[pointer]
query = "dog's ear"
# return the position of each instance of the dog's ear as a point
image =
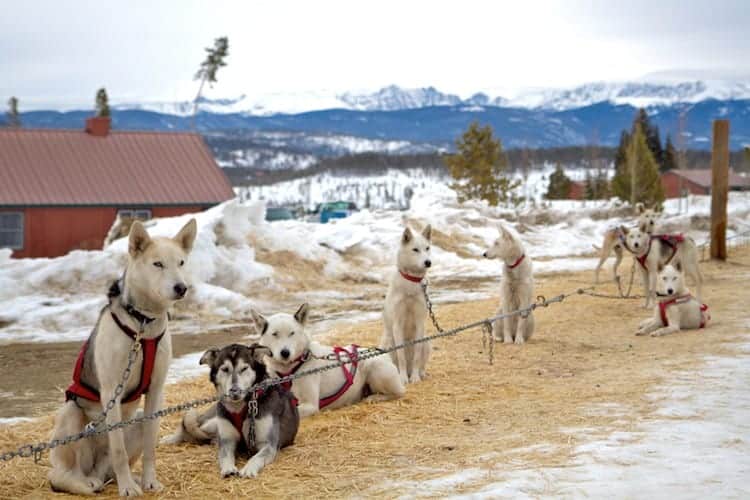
(301, 314)
(209, 356)
(659, 267)
(427, 232)
(643, 228)
(624, 229)
(504, 233)
(406, 237)
(186, 237)
(639, 208)
(138, 239)
(677, 265)
(261, 323)
(259, 352)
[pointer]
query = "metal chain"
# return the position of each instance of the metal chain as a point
(252, 412)
(488, 341)
(35, 450)
(630, 285)
(135, 348)
(428, 302)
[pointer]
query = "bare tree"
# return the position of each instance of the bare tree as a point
(209, 67)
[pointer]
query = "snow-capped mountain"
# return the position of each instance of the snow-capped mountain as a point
(394, 98)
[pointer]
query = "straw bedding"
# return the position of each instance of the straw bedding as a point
(466, 414)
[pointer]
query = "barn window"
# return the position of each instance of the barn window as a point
(11, 230)
(140, 214)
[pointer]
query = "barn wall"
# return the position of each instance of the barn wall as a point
(671, 184)
(55, 231)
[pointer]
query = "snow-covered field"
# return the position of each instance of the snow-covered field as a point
(51, 300)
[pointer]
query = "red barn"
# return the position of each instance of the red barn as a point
(577, 190)
(61, 190)
(697, 181)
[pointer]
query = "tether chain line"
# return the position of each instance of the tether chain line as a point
(35, 450)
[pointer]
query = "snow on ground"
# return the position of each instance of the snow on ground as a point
(695, 446)
(51, 300)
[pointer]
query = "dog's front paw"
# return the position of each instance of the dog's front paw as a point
(657, 333)
(415, 378)
(95, 483)
(129, 488)
(640, 332)
(252, 468)
(229, 472)
(404, 378)
(152, 485)
(519, 340)
(508, 339)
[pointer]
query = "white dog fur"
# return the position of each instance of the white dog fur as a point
(405, 308)
(517, 288)
(286, 337)
(684, 314)
(154, 272)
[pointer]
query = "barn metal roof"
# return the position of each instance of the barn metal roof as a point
(71, 167)
(702, 177)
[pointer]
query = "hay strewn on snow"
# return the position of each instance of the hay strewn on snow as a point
(466, 414)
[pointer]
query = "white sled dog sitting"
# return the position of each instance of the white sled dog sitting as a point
(653, 251)
(235, 369)
(677, 309)
(517, 290)
(405, 307)
(291, 350)
(614, 239)
(154, 279)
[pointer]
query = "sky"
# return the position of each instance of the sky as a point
(59, 52)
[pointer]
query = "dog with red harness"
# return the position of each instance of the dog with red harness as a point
(676, 309)
(291, 350)
(132, 326)
(654, 251)
(246, 419)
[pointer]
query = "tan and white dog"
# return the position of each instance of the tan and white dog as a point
(153, 281)
(613, 239)
(405, 308)
(677, 309)
(653, 251)
(517, 289)
(292, 350)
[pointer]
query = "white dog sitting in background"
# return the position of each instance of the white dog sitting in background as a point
(517, 290)
(291, 350)
(677, 310)
(405, 308)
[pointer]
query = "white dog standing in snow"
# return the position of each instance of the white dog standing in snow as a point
(517, 290)
(405, 308)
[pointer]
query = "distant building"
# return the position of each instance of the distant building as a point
(577, 190)
(61, 190)
(697, 181)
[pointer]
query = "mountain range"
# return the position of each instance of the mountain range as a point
(592, 113)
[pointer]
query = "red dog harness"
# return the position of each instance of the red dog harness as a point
(79, 389)
(409, 277)
(348, 375)
(517, 262)
(237, 418)
(671, 240)
(681, 300)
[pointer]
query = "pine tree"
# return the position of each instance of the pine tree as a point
(209, 67)
(597, 185)
(559, 185)
(637, 178)
(652, 135)
(102, 103)
(12, 115)
(670, 156)
(479, 166)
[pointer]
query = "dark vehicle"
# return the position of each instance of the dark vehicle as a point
(336, 210)
(278, 213)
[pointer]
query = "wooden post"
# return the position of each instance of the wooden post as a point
(719, 189)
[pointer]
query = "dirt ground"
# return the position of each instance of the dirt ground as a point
(467, 414)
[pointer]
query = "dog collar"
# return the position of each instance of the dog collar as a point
(409, 277)
(517, 262)
(137, 315)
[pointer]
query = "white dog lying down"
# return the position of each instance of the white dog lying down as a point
(517, 289)
(677, 310)
(292, 350)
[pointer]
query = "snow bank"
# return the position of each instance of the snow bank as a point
(239, 258)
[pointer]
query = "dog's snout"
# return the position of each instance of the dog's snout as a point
(235, 392)
(427, 263)
(180, 290)
(636, 245)
(285, 353)
(670, 291)
(484, 255)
